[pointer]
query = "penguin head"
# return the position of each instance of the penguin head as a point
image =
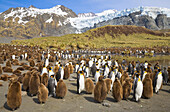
(50, 68)
(101, 78)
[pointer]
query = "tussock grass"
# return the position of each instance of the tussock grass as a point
(106, 38)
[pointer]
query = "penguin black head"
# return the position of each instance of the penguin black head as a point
(44, 65)
(50, 68)
(137, 75)
(97, 69)
(144, 69)
(159, 70)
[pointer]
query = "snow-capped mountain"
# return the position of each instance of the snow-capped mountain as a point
(34, 22)
(82, 15)
(87, 22)
(59, 20)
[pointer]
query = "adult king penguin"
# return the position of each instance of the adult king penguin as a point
(138, 88)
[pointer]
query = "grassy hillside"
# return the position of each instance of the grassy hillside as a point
(103, 37)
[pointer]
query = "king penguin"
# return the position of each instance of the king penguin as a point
(158, 81)
(80, 82)
(138, 88)
(97, 75)
(44, 70)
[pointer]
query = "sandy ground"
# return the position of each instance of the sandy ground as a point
(85, 102)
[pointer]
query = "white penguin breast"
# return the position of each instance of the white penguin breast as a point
(139, 88)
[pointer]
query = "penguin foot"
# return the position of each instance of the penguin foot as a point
(157, 93)
(50, 95)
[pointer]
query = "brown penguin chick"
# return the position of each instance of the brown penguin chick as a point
(1, 61)
(66, 72)
(7, 69)
(34, 83)
(124, 77)
(117, 90)
(127, 87)
(56, 68)
(21, 68)
(17, 72)
(4, 77)
(8, 63)
(32, 68)
(20, 78)
(14, 95)
(13, 77)
(42, 93)
(22, 64)
(100, 90)
(26, 67)
(40, 67)
(61, 89)
(0, 70)
(32, 63)
(44, 79)
(147, 87)
(89, 86)
(51, 59)
(26, 80)
(71, 68)
(108, 84)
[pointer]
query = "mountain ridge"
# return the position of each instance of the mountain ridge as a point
(59, 20)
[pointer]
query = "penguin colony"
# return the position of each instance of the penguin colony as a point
(46, 70)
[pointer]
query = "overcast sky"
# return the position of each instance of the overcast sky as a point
(84, 6)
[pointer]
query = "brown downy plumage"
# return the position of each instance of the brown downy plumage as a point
(7, 69)
(40, 67)
(0, 70)
(15, 62)
(26, 80)
(32, 68)
(117, 90)
(66, 72)
(4, 77)
(61, 89)
(89, 86)
(127, 87)
(8, 63)
(17, 72)
(42, 93)
(71, 68)
(26, 67)
(20, 68)
(124, 77)
(108, 84)
(14, 98)
(56, 68)
(44, 79)
(20, 78)
(51, 59)
(100, 90)
(1, 61)
(32, 63)
(147, 87)
(13, 77)
(34, 83)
